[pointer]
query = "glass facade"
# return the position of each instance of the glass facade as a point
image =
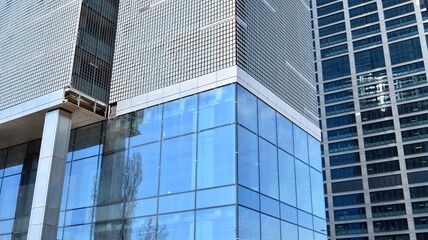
(373, 112)
(221, 164)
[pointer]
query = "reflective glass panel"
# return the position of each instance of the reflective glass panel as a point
(82, 189)
(3, 154)
(143, 170)
(289, 231)
(317, 190)
(9, 196)
(247, 109)
(177, 202)
(77, 232)
(305, 233)
(216, 197)
(217, 107)
(285, 134)
(146, 126)
(315, 153)
(268, 169)
(269, 206)
(87, 141)
(116, 133)
(271, 228)
(177, 226)
(267, 122)
(141, 208)
(288, 213)
(179, 117)
(108, 230)
(248, 198)
(79, 216)
(300, 144)
(303, 186)
(248, 162)
(144, 228)
(216, 223)
(287, 178)
(15, 159)
(114, 183)
(177, 172)
(249, 224)
(305, 219)
(216, 157)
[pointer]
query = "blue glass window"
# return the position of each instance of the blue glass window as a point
(80, 216)
(285, 134)
(217, 107)
(249, 224)
(340, 121)
(362, 10)
(331, 19)
(364, 20)
(144, 228)
(112, 177)
(402, 33)
(389, 3)
(146, 126)
(248, 198)
(77, 232)
(287, 179)
(216, 157)
(300, 144)
(248, 161)
(339, 84)
(267, 122)
(176, 226)
(177, 202)
(179, 117)
(344, 159)
(289, 230)
(268, 169)
(398, 22)
(9, 196)
(178, 164)
(288, 213)
(143, 168)
(331, 29)
(369, 59)
(269, 206)
(399, 11)
(216, 197)
(404, 51)
(271, 228)
(305, 219)
(317, 193)
(367, 42)
(303, 186)
(324, 42)
(336, 67)
(365, 31)
(15, 159)
(81, 190)
(141, 208)
(216, 223)
(329, 9)
(328, 52)
(247, 109)
(408, 68)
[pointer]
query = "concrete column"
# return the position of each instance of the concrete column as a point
(50, 176)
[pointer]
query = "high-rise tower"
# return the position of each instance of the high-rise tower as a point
(208, 131)
(371, 59)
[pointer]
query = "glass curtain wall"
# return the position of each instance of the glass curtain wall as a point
(217, 165)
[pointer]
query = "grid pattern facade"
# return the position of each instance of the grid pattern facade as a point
(37, 46)
(277, 54)
(371, 58)
(160, 43)
(47, 45)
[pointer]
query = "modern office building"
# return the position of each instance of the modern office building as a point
(372, 60)
(201, 125)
